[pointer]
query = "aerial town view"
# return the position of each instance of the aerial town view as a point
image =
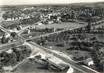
(52, 38)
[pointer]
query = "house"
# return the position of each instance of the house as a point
(88, 62)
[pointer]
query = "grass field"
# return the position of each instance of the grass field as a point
(33, 67)
(67, 25)
(61, 26)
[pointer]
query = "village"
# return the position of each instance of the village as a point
(52, 38)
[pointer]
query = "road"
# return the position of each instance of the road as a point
(7, 46)
(47, 34)
(37, 48)
(100, 22)
(40, 48)
(73, 64)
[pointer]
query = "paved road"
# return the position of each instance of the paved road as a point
(7, 46)
(100, 22)
(4, 30)
(47, 34)
(73, 64)
(78, 67)
(36, 47)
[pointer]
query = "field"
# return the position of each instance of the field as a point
(30, 67)
(71, 45)
(65, 25)
(33, 67)
(52, 27)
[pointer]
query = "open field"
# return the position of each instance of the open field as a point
(65, 25)
(56, 27)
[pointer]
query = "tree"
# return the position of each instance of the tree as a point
(72, 15)
(5, 16)
(98, 59)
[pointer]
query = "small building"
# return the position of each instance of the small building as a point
(88, 62)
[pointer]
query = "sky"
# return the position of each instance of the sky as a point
(20, 2)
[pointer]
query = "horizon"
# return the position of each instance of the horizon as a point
(43, 2)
